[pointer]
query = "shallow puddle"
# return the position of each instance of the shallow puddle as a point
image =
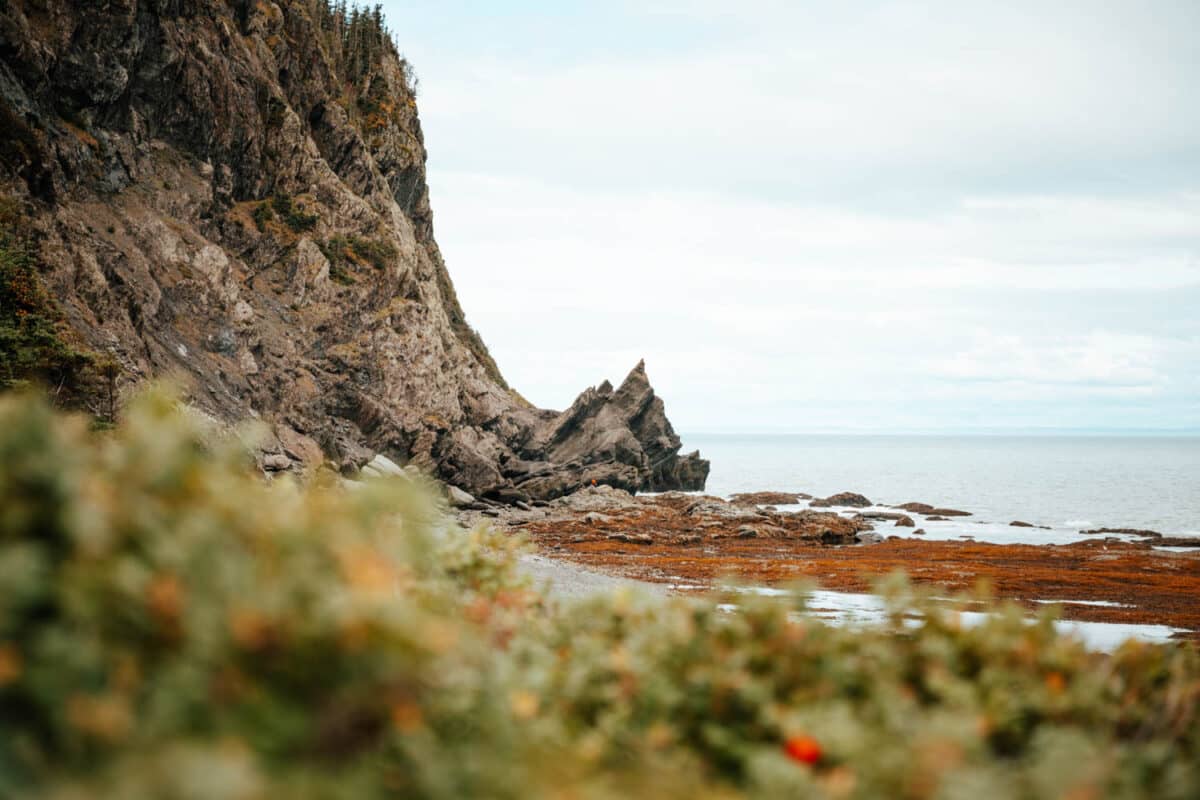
(849, 608)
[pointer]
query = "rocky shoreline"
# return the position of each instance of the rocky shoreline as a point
(694, 540)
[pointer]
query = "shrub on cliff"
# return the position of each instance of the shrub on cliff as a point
(293, 215)
(34, 345)
(172, 626)
(352, 251)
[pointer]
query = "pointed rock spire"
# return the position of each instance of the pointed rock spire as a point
(621, 438)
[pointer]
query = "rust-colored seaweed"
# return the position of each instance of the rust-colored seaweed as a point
(1151, 586)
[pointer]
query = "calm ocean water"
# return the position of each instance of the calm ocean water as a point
(1063, 481)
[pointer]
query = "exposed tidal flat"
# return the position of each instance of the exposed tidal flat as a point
(1109, 584)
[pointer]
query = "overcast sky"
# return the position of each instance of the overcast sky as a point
(825, 217)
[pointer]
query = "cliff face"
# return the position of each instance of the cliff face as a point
(225, 192)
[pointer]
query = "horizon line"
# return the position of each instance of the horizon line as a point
(1014, 431)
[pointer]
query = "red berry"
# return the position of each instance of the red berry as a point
(804, 749)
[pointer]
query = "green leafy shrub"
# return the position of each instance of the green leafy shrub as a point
(33, 341)
(263, 215)
(292, 214)
(173, 626)
(165, 616)
(348, 252)
(376, 252)
(338, 274)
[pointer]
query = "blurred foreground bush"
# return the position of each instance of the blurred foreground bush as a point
(173, 627)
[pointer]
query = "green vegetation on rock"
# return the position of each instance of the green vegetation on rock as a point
(292, 214)
(263, 215)
(173, 626)
(34, 346)
(357, 38)
(349, 252)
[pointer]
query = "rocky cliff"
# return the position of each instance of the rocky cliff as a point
(233, 193)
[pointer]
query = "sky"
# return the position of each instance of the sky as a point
(841, 217)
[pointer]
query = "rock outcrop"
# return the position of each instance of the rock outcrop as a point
(671, 519)
(619, 438)
(226, 193)
(928, 510)
(768, 498)
(846, 499)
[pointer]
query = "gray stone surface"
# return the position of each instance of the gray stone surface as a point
(458, 498)
(566, 581)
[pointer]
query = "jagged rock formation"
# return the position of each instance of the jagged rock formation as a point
(215, 194)
(620, 438)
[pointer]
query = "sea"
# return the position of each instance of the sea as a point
(1067, 483)
(1062, 485)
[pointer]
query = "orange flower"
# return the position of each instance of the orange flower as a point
(407, 716)
(251, 630)
(10, 664)
(367, 571)
(804, 749)
(103, 716)
(164, 596)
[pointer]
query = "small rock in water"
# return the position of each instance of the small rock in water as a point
(919, 532)
(765, 498)
(1126, 532)
(1019, 524)
(949, 512)
(927, 510)
(905, 522)
(851, 499)
(869, 538)
(1173, 541)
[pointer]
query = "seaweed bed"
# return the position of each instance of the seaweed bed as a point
(1148, 586)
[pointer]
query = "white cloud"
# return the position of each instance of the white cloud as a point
(892, 97)
(1099, 358)
(867, 215)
